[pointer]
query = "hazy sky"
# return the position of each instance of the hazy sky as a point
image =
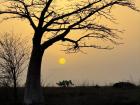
(97, 66)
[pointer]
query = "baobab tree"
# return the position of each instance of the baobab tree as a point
(49, 18)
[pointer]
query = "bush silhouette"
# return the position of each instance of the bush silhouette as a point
(65, 83)
(124, 85)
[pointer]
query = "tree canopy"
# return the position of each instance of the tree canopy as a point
(47, 16)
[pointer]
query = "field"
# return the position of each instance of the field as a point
(88, 95)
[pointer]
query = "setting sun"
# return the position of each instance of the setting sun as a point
(62, 61)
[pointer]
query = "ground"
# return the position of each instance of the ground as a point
(88, 95)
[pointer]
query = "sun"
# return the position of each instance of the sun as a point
(62, 61)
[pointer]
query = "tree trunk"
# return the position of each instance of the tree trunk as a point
(15, 86)
(33, 92)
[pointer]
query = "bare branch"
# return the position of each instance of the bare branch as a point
(42, 16)
(79, 16)
(71, 13)
(94, 27)
(21, 12)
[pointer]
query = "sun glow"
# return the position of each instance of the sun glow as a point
(62, 61)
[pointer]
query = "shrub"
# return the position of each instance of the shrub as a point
(65, 83)
(124, 85)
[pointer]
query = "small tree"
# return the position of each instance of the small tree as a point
(13, 57)
(65, 83)
(57, 22)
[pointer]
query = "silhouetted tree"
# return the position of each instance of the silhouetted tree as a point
(56, 22)
(13, 61)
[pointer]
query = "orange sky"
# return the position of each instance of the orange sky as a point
(97, 66)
